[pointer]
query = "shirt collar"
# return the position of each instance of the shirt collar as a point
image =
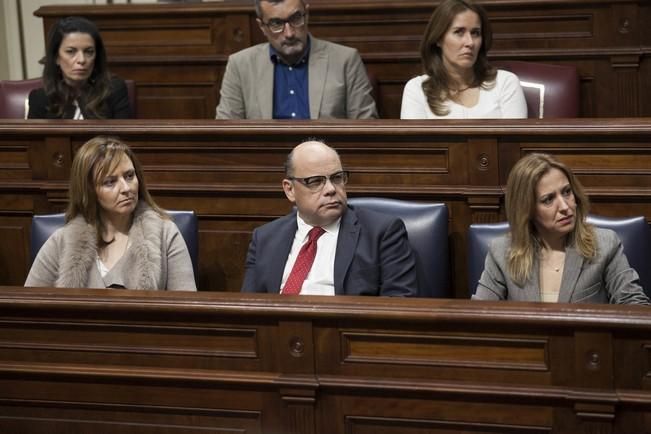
(276, 59)
(304, 228)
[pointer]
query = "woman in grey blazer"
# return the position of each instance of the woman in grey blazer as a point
(551, 254)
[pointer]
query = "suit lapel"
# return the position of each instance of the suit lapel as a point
(317, 72)
(280, 252)
(346, 246)
(532, 286)
(571, 271)
(264, 82)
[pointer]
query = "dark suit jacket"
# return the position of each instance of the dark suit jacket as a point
(116, 106)
(607, 278)
(373, 255)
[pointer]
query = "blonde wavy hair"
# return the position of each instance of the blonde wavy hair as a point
(520, 204)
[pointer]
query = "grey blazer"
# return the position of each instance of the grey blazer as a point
(337, 81)
(605, 279)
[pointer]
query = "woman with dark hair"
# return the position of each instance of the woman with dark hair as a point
(459, 83)
(115, 235)
(551, 254)
(76, 80)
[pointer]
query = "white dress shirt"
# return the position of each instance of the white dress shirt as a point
(78, 116)
(320, 279)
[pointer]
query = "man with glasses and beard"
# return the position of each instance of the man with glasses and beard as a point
(294, 75)
(326, 247)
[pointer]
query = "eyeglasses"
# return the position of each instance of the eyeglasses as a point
(276, 25)
(316, 183)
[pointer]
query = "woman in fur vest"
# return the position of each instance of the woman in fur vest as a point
(115, 235)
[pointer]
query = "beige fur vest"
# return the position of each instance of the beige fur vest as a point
(142, 264)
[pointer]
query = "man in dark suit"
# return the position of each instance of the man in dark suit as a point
(356, 251)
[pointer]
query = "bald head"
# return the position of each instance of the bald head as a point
(317, 205)
(309, 152)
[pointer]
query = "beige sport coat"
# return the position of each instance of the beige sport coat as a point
(337, 81)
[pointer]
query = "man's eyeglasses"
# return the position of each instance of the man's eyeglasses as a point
(276, 25)
(316, 183)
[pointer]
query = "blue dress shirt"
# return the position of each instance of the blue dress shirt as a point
(291, 92)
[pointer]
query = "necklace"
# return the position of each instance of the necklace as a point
(559, 267)
(553, 260)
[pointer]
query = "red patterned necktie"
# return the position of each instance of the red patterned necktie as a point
(303, 263)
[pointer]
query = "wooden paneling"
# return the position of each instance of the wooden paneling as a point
(14, 232)
(137, 362)
(230, 173)
(177, 53)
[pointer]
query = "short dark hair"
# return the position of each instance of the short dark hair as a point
(258, 9)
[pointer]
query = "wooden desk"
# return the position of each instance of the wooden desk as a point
(230, 173)
(109, 361)
(177, 53)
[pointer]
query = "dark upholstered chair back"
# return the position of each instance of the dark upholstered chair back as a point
(634, 233)
(13, 94)
(427, 229)
(479, 240)
(188, 225)
(44, 225)
(551, 91)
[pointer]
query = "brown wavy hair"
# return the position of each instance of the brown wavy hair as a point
(60, 95)
(93, 162)
(520, 204)
(437, 86)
